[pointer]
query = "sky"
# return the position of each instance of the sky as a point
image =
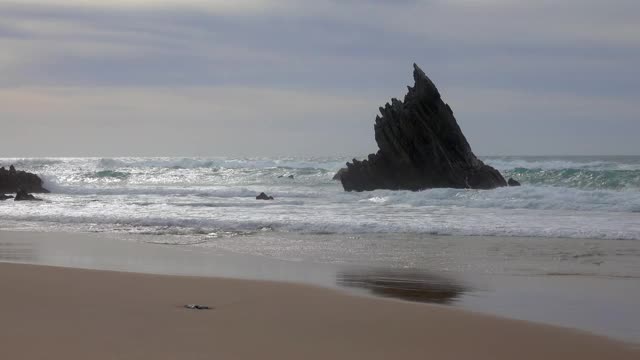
(306, 78)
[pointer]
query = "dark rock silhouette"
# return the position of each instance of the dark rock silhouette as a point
(421, 146)
(338, 175)
(197, 307)
(264, 196)
(5, 197)
(11, 181)
(22, 195)
(512, 182)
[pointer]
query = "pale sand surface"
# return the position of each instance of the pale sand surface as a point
(62, 313)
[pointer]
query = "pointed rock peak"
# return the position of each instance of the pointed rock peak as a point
(423, 84)
(417, 72)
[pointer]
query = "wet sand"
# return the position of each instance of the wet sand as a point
(599, 305)
(63, 313)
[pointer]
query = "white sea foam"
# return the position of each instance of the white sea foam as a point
(564, 197)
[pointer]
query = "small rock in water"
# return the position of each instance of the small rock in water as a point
(290, 176)
(264, 196)
(512, 182)
(5, 197)
(22, 195)
(197, 307)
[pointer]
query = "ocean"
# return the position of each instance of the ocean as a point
(574, 197)
(210, 202)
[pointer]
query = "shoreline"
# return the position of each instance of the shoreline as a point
(66, 313)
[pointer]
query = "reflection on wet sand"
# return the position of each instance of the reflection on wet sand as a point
(406, 285)
(16, 251)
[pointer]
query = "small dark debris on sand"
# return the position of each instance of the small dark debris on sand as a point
(197, 307)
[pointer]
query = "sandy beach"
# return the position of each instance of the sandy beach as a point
(62, 313)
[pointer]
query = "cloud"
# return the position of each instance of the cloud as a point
(212, 5)
(503, 61)
(325, 45)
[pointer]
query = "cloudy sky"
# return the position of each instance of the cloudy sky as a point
(287, 77)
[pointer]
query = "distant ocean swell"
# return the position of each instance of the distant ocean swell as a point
(584, 174)
(579, 178)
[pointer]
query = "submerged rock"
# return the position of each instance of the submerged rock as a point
(512, 182)
(264, 196)
(421, 146)
(11, 181)
(22, 195)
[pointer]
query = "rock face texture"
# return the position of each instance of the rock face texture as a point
(11, 181)
(421, 146)
(338, 174)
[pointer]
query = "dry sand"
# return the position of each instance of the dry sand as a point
(60, 313)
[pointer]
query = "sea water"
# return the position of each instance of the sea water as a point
(211, 202)
(574, 197)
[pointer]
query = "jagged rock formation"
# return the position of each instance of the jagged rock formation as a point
(11, 181)
(421, 147)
